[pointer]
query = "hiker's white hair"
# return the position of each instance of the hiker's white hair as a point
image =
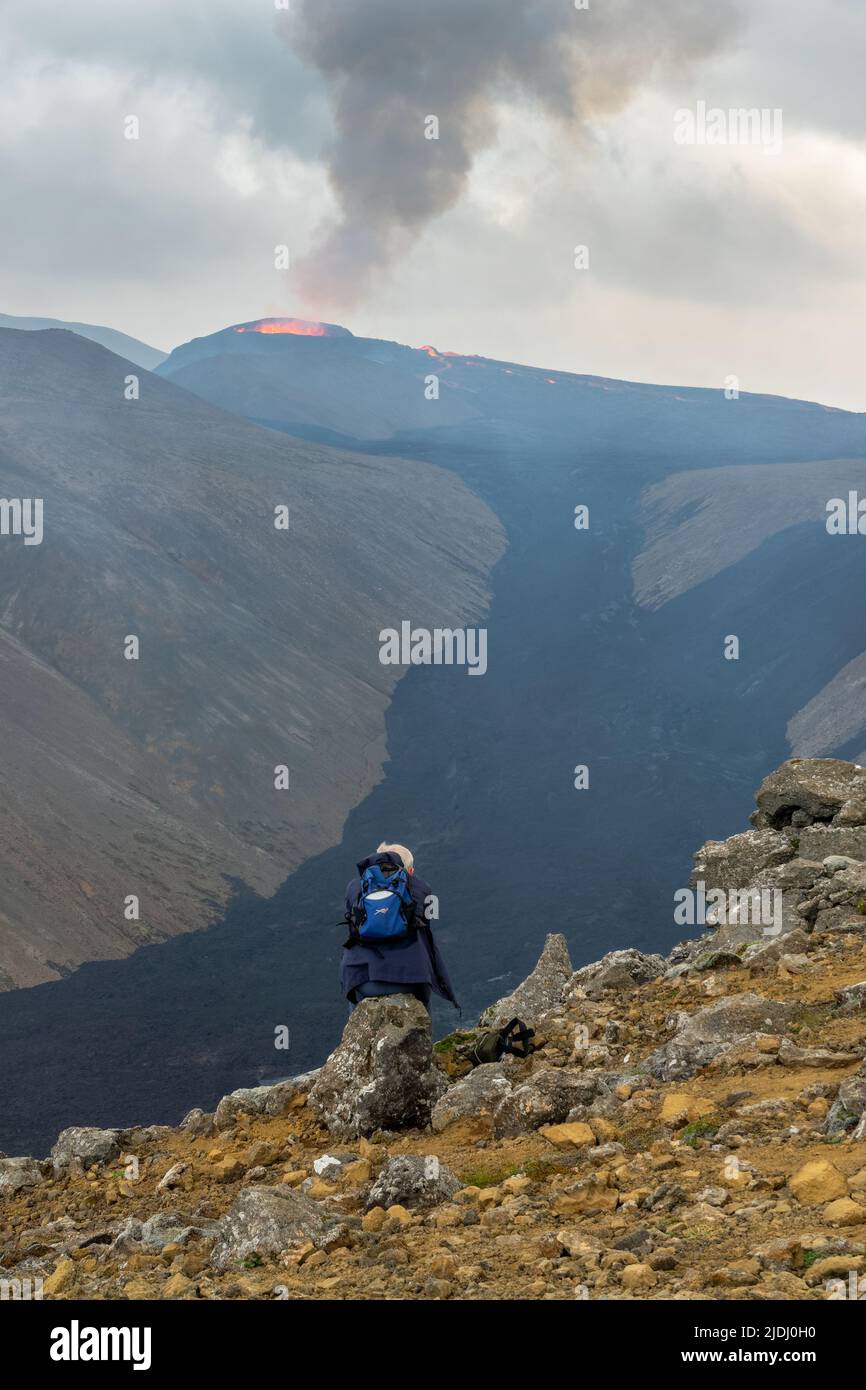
(405, 854)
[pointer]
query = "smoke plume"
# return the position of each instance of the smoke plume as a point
(389, 64)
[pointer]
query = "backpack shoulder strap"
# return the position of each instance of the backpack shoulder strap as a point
(516, 1038)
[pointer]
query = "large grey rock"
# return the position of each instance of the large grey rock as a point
(265, 1221)
(17, 1174)
(85, 1146)
(198, 1122)
(852, 813)
(473, 1098)
(261, 1100)
(702, 1036)
(822, 841)
(800, 873)
(619, 970)
(540, 991)
(382, 1075)
(766, 955)
(851, 998)
(170, 1227)
(547, 1097)
(413, 1180)
(849, 1106)
(790, 1055)
(816, 787)
(755, 914)
(733, 863)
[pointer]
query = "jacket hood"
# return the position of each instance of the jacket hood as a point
(389, 858)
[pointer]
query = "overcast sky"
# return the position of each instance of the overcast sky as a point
(260, 126)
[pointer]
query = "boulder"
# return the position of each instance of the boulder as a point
(792, 1056)
(844, 1212)
(261, 1100)
(849, 1107)
(852, 813)
(735, 862)
(800, 873)
(17, 1174)
(818, 788)
(834, 842)
(265, 1221)
(680, 1108)
(766, 955)
(702, 1036)
(540, 991)
(413, 1180)
(198, 1122)
(574, 1135)
(851, 998)
(174, 1177)
(619, 970)
(547, 1097)
(85, 1146)
(818, 1181)
(383, 1074)
(471, 1101)
(171, 1228)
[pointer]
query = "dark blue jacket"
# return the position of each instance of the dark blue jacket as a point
(415, 961)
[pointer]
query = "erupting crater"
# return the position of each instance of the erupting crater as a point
(302, 328)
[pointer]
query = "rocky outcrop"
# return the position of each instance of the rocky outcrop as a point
(382, 1075)
(18, 1174)
(734, 862)
(413, 1180)
(849, 1108)
(85, 1147)
(672, 1106)
(258, 1100)
(701, 1036)
(266, 1221)
(547, 1097)
(803, 866)
(804, 790)
(618, 970)
(539, 992)
(472, 1100)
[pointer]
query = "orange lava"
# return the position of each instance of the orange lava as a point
(298, 326)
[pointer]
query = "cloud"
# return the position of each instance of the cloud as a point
(226, 54)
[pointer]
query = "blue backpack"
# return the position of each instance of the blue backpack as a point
(385, 908)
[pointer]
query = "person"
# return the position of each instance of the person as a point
(410, 963)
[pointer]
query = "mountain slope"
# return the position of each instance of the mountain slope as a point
(258, 647)
(121, 343)
(584, 669)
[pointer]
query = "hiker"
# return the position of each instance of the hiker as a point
(390, 947)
